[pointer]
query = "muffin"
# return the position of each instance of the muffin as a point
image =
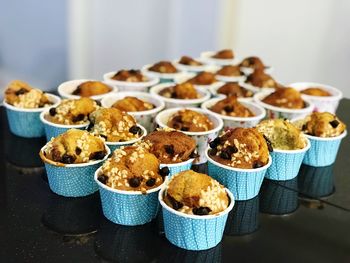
(203, 78)
(230, 71)
(315, 91)
(132, 104)
(129, 76)
(244, 148)
(191, 121)
(186, 60)
(235, 89)
(196, 194)
(184, 91)
(288, 98)
(163, 67)
(262, 80)
(253, 63)
(224, 54)
(231, 107)
(91, 88)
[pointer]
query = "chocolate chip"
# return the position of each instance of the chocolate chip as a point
(97, 155)
(334, 123)
(104, 136)
(231, 149)
(135, 130)
(201, 211)
(164, 171)
(150, 182)
(175, 204)
(77, 150)
(304, 127)
(169, 149)
(133, 71)
(269, 144)
(77, 91)
(193, 155)
(98, 102)
(134, 182)
(213, 151)
(102, 178)
(79, 117)
(173, 95)
(177, 119)
(21, 91)
(185, 128)
(257, 164)
(228, 108)
(214, 143)
(68, 159)
(91, 125)
(225, 155)
(52, 111)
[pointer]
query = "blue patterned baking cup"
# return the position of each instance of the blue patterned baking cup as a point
(175, 168)
(130, 208)
(53, 130)
(25, 122)
(193, 232)
(286, 163)
(72, 180)
(243, 183)
(279, 197)
(323, 151)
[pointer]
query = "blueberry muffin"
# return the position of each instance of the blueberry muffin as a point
(316, 92)
(129, 76)
(262, 80)
(72, 112)
(231, 107)
(163, 67)
(203, 78)
(244, 148)
(224, 54)
(132, 104)
(185, 60)
(234, 88)
(183, 91)
(230, 71)
(191, 121)
(21, 95)
(288, 98)
(254, 63)
(91, 88)
(75, 146)
(196, 194)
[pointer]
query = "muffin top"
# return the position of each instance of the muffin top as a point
(114, 125)
(171, 146)
(75, 146)
(186, 60)
(72, 112)
(233, 88)
(196, 194)
(224, 54)
(189, 120)
(262, 80)
(131, 104)
(322, 124)
(230, 106)
(163, 67)
(203, 78)
(288, 98)
(21, 95)
(252, 62)
(282, 135)
(315, 91)
(241, 148)
(230, 71)
(131, 75)
(132, 168)
(91, 88)
(183, 91)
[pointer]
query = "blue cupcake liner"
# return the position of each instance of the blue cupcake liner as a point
(128, 207)
(194, 232)
(323, 151)
(176, 168)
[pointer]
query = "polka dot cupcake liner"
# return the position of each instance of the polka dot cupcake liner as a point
(193, 232)
(243, 183)
(175, 168)
(128, 207)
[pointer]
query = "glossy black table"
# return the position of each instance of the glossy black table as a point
(306, 219)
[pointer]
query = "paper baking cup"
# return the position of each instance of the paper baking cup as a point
(286, 163)
(223, 78)
(175, 168)
(73, 180)
(163, 77)
(67, 88)
(116, 145)
(195, 69)
(233, 122)
(173, 103)
(323, 151)
(130, 86)
(202, 138)
(54, 129)
(321, 104)
(255, 89)
(273, 112)
(247, 71)
(25, 122)
(193, 232)
(243, 183)
(144, 118)
(207, 57)
(128, 207)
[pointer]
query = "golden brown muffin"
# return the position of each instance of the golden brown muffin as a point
(224, 54)
(185, 60)
(241, 148)
(114, 125)
(196, 194)
(252, 62)
(189, 120)
(75, 146)
(282, 134)
(91, 88)
(316, 92)
(183, 91)
(322, 124)
(130, 76)
(262, 80)
(21, 95)
(171, 146)
(233, 88)
(203, 78)
(288, 98)
(132, 104)
(163, 67)
(132, 168)
(231, 107)
(72, 112)
(230, 71)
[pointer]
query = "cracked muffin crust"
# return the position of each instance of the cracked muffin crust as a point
(189, 120)
(132, 104)
(91, 88)
(288, 98)
(230, 106)
(131, 75)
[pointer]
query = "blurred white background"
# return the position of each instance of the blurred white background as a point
(48, 42)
